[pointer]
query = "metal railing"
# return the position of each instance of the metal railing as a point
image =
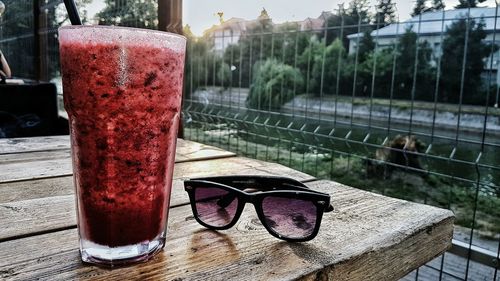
(407, 109)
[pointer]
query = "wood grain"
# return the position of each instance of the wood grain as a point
(367, 234)
(33, 189)
(194, 151)
(31, 217)
(34, 164)
(57, 186)
(51, 201)
(17, 171)
(188, 149)
(18, 145)
(367, 237)
(10, 158)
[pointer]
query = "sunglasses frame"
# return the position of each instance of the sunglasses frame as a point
(266, 186)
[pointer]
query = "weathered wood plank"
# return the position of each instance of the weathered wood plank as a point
(57, 186)
(33, 189)
(18, 145)
(43, 164)
(35, 169)
(367, 234)
(187, 150)
(31, 217)
(10, 158)
(34, 216)
(190, 151)
(67, 240)
(41, 213)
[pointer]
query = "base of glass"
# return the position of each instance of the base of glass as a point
(123, 255)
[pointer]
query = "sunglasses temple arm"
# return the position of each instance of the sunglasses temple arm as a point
(329, 208)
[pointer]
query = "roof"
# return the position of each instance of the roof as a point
(233, 23)
(311, 23)
(431, 22)
(242, 24)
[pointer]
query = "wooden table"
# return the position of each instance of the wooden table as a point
(367, 237)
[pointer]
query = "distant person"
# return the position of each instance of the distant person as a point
(4, 68)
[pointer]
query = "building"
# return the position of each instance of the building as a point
(431, 26)
(229, 32)
(314, 23)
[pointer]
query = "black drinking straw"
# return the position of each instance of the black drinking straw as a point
(72, 12)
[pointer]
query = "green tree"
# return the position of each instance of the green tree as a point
(385, 13)
(407, 60)
(359, 10)
(453, 55)
(294, 44)
(438, 5)
(257, 43)
(366, 45)
(339, 20)
(265, 20)
(16, 26)
(58, 14)
(16, 33)
(273, 85)
(383, 62)
(224, 75)
(420, 8)
(283, 45)
(356, 17)
(326, 70)
(198, 61)
(142, 14)
(259, 39)
(235, 66)
(235, 58)
(468, 3)
(306, 61)
(410, 70)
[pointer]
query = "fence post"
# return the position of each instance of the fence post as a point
(170, 19)
(170, 16)
(36, 39)
(40, 42)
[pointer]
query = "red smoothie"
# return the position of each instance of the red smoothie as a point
(123, 94)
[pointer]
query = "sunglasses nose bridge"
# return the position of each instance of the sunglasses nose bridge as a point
(248, 198)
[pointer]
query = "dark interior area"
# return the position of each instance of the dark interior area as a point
(30, 110)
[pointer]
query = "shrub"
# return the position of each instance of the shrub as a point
(327, 70)
(274, 84)
(224, 75)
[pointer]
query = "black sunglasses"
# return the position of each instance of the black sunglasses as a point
(287, 208)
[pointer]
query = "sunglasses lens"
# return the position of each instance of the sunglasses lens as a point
(289, 217)
(215, 206)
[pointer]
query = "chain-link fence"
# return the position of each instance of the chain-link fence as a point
(408, 109)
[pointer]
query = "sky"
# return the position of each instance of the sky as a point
(202, 14)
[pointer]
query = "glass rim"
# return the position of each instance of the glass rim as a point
(132, 29)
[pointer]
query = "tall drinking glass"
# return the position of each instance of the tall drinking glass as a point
(122, 92)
